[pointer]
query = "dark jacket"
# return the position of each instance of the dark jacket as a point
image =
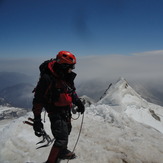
(50, 87)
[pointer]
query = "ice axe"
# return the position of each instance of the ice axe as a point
(46, 137)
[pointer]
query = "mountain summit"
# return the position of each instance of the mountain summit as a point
(124, 98)
(121, 93)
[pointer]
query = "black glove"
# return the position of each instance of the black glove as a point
(38, 127)
(80, 105)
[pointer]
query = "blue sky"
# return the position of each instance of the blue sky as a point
(33, 28)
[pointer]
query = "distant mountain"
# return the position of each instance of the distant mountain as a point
(19, 95)
(7, 112)
(16, 89)
(3, 102)
(8, 79)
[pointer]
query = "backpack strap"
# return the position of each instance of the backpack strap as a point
(50, 67)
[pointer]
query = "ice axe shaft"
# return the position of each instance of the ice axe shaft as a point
(31, 119)
(27, 122)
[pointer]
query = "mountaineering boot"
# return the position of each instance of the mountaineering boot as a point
(66, 154)
(53, 156)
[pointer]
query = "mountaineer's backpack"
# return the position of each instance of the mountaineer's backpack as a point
(62, 98)
(44, 67)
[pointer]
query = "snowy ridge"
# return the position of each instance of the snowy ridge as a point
(125, 99)
(121, 94)
(109, 134)
(7, 112)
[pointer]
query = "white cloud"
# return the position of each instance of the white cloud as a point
(155, 52)
(137, 67)
(145, 67)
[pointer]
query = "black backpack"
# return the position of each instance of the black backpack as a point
(44, 67)
(53, 95)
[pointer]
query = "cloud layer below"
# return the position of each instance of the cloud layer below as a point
(95, 73)
(145, 66)
(136, 67)
(140, 67)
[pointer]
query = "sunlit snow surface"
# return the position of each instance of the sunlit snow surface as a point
(119, 128)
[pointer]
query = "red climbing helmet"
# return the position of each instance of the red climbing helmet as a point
(65, 57)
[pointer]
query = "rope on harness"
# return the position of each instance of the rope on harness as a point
(78, 135)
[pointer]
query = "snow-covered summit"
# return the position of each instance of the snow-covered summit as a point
(121, 93)
(124, 98)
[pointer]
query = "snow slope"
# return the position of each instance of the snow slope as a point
(113, 132)
(125, 99)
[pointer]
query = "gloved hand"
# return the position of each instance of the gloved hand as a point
(80, 105)
(38, 126)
